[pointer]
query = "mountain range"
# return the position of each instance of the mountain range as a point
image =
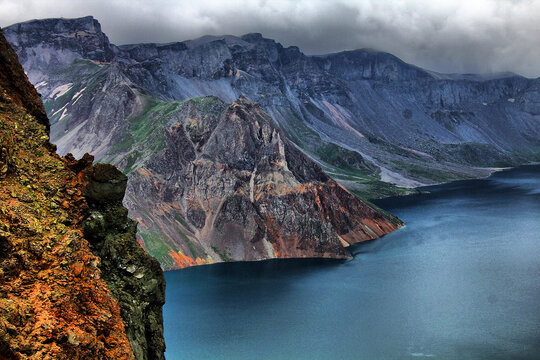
(224, 125)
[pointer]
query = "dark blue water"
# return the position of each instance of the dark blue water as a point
(460, 281)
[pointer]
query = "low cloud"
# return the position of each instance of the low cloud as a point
(448, 36)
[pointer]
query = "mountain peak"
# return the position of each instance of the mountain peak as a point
(78, 38)
(252, 37)
(369, 63)
(234, 174)
(88, 23)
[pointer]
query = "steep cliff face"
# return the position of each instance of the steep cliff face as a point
(227, 185)
(68, 41)
(394, 123)
(134, 278)
(60, 294)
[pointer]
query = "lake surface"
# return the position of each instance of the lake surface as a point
(460, 281)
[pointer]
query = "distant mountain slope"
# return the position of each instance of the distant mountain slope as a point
(373, 122)
(414, 126)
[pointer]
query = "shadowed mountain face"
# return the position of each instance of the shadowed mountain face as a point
(367, 118)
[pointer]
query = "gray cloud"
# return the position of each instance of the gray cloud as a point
(444, 35)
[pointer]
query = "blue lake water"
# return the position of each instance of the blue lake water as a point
(460, 281)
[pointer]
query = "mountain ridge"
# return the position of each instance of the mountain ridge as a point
(258, 35)
(168, 72)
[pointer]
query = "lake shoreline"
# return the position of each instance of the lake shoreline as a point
(422, 190)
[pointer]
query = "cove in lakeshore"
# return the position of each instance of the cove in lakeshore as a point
(460, 281)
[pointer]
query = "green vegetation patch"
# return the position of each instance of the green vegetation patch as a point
(205, 103)
(343, 158)
(417, 171)
(77, 69)
(141, 132)
(297, 131)
(389, 216)
(225, 256)
(189, 243)
(376, 189)
(157, 248)
(469, 154)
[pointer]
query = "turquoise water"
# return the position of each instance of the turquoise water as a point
(460, 281)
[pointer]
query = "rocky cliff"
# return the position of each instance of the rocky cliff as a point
(74, 283)
(225, 185)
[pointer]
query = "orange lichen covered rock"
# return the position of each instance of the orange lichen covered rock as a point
(54, 303)
(183, 261)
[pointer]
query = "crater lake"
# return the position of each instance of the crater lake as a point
(459, 281)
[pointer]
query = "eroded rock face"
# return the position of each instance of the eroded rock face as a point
(71, 38)
(228, 185)
(53, 302)
(58, 298)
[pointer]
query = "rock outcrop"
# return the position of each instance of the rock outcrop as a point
(226, 185)
(61, 296)
(134, 278)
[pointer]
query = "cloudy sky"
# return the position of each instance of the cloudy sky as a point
(444, 35)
